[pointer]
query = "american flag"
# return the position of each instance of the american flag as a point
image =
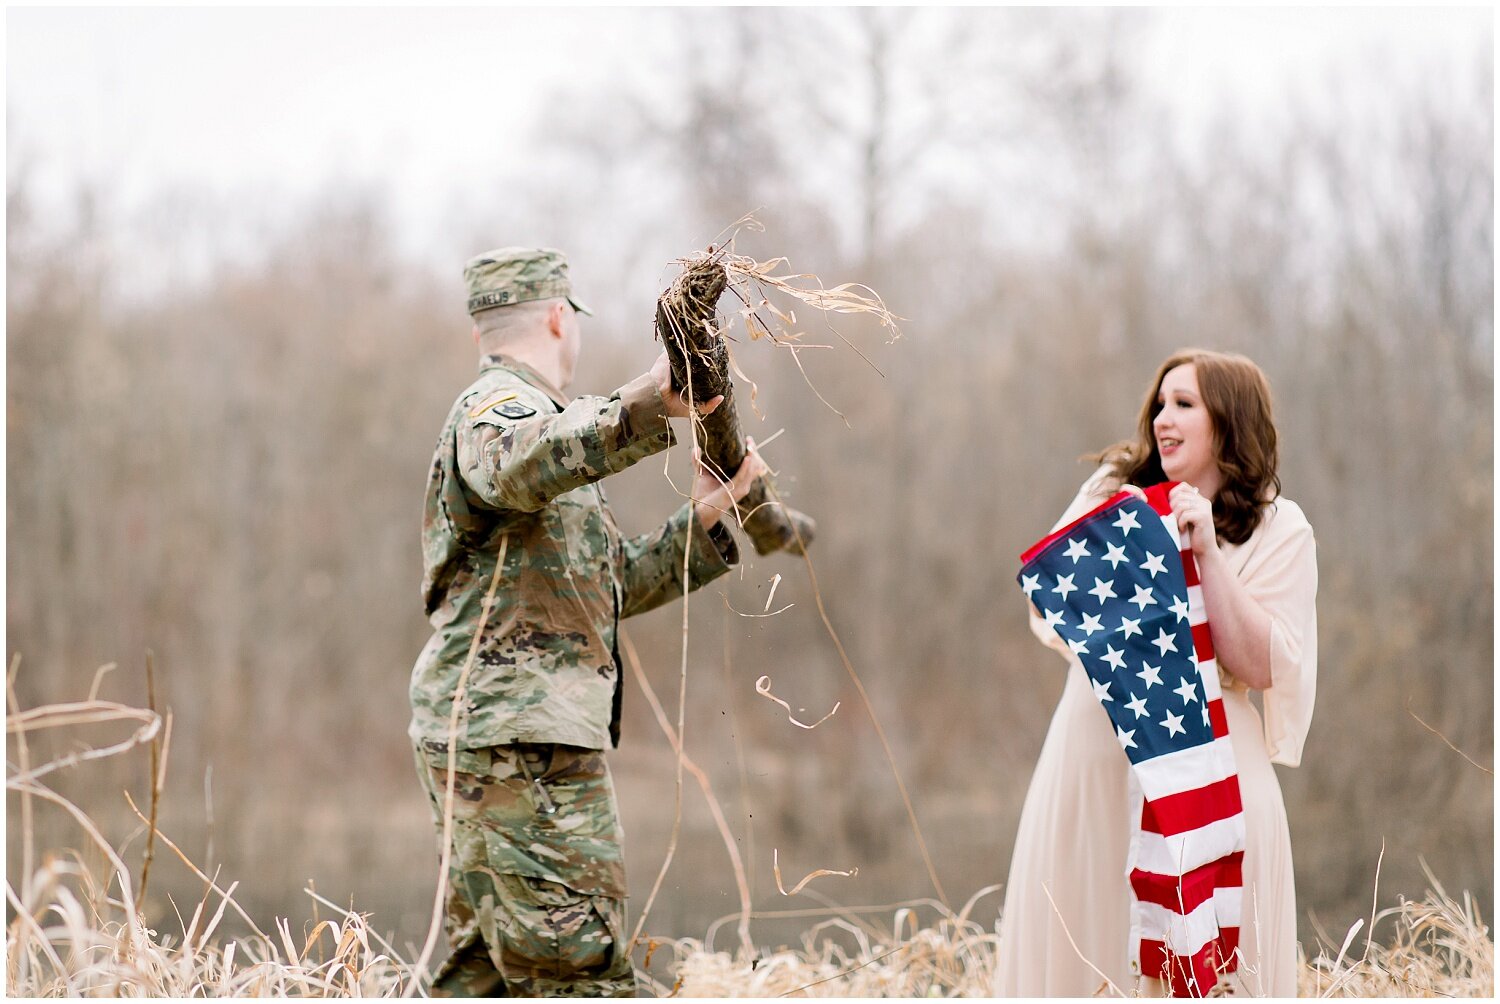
(1119, 585)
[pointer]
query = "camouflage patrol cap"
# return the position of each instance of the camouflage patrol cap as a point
(505, 276)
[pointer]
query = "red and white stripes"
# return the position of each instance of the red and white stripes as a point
(1186, 858)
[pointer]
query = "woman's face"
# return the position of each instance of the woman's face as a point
(1185, 432)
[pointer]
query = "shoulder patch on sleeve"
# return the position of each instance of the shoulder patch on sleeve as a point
(513, 409)
(503, 405)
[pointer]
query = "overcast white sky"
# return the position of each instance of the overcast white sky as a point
(427, 100)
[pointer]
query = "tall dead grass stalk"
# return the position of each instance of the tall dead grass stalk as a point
(735, 862)
(677, 740)
(446, 857)
(885, 745)
(74, 933)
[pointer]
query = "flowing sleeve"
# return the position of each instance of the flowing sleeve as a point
(1282, 576)
(1094, 491)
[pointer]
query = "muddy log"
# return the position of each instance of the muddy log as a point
(686, 324)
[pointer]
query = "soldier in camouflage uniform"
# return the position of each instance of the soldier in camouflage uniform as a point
(537, 879)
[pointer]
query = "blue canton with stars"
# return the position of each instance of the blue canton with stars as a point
(1113, 588)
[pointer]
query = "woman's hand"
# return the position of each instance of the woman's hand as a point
(1195, 517)
(1242, 627)
(713, 498)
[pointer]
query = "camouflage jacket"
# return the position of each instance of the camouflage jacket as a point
(515, 468)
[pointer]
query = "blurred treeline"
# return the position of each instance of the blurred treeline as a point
(216, 448)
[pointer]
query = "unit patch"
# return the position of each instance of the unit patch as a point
(501, 406)
(513, 409)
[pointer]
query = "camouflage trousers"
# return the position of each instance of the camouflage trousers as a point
(536, 883)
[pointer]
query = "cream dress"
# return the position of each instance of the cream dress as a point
(1075, 831)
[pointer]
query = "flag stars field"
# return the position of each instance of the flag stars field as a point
(1187, 691)
(1143, 598)
(1115, 594)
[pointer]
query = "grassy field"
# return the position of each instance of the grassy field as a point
(75, 937)
(75, 927)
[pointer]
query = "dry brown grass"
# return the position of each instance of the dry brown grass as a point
(1438, 947)
(73, 939)
(848, 956)
(76, 930)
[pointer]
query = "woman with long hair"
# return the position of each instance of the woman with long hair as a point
(1066, 925)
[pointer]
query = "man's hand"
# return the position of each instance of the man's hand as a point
(712, 498)
(677, 406)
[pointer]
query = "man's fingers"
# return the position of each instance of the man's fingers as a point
(751, 468)
(708, 406)
(661, 374)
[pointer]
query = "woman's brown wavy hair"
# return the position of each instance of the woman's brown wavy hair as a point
(1238, 399)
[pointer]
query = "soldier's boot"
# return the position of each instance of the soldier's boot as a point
(468, 972)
